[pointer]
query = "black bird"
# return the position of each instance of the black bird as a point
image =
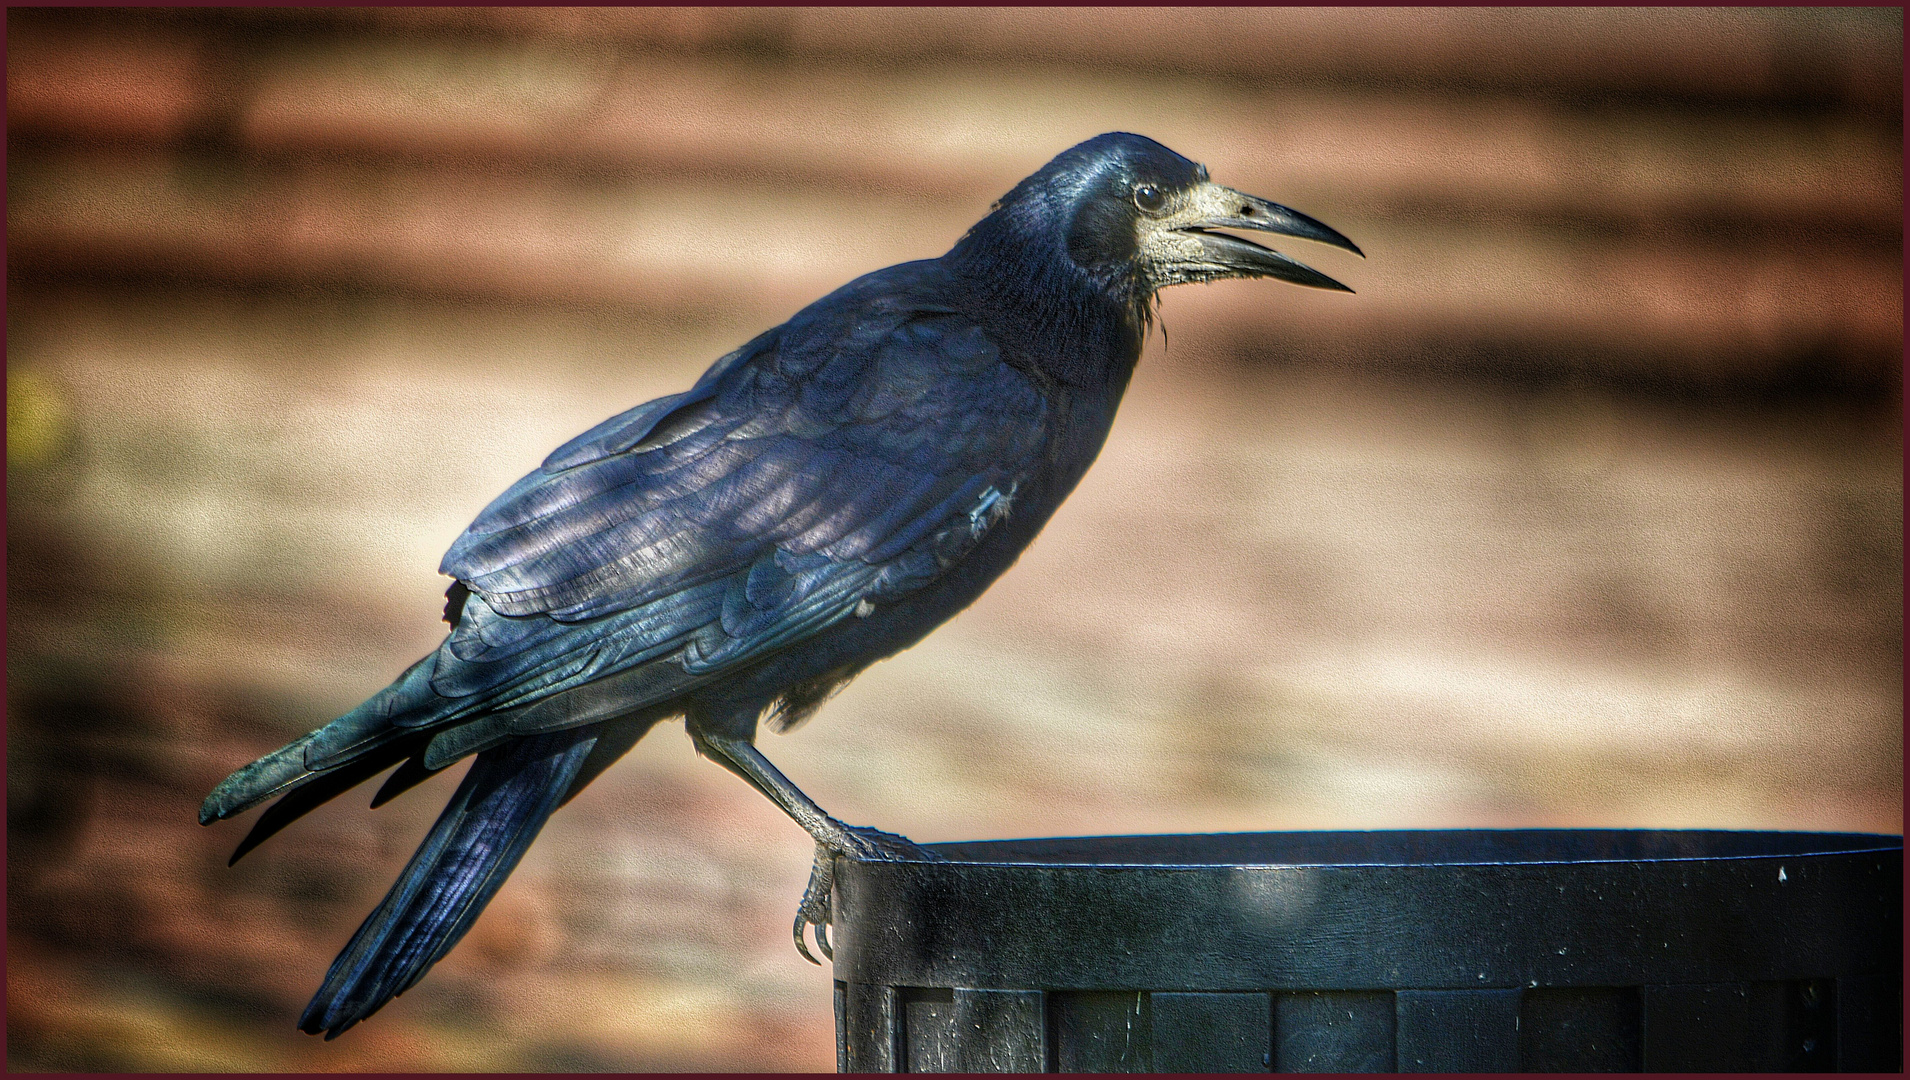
(822, 498)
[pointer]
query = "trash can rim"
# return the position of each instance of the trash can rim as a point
(1829, 844)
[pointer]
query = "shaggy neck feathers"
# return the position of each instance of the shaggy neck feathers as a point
(1073, 324)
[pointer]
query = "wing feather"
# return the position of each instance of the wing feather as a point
(850, 456)
(817, 468)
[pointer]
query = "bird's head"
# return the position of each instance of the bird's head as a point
(1141, 210)
(1123, 217)
(1133, 213)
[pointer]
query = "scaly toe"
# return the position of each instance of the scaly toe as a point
(801, 945)
(816, 908)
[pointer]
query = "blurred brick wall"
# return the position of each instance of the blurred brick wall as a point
(1586, 510)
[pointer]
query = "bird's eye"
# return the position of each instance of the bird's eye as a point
(1149, 198)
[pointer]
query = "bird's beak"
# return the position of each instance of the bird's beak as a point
(1200, 254)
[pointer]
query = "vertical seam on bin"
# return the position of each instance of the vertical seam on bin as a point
(841, 996)
(898, 1034)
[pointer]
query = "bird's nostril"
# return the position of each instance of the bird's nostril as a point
(1246, 211)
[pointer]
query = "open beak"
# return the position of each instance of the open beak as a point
(1221, 255)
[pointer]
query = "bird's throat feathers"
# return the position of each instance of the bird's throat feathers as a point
(1074, 325)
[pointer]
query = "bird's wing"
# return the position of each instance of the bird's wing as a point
(818, 454)
(832, 464)
(844, 458)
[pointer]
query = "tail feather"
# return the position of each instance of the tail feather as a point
(368, 730)
(317, 789)
(252, 784)
(402, 779)
(409, 702)
(497, 811)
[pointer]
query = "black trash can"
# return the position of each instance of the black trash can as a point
(1476, 951)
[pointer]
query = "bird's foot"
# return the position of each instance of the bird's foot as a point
(862, 844)
(815, 909)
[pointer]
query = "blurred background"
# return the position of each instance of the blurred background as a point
(1585, 511)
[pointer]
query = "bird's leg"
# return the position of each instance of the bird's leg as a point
(832, 836)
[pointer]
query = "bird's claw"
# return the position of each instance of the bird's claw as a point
(863, 844)
(816, 909)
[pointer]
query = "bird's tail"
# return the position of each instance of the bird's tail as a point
(498, 810)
